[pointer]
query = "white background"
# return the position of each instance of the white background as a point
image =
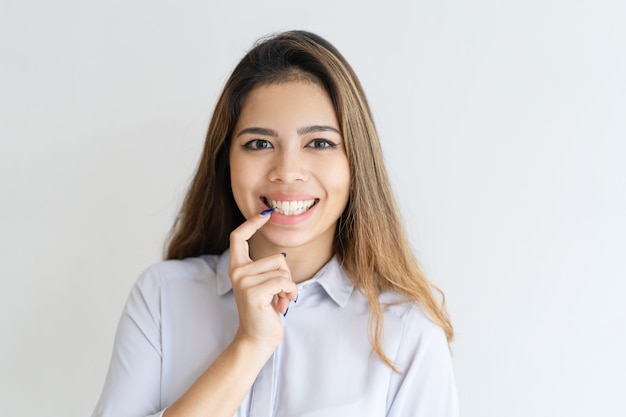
(504, 127)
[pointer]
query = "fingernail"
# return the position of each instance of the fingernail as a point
(284, 254)
(286, 311)
(296, 300)
(266, 212)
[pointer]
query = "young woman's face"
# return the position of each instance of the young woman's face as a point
(287, 152)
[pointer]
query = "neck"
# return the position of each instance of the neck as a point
(303, 262)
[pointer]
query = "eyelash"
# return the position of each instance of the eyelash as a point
(328, 144)
(255, 144)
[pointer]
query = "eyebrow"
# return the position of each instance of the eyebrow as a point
(317, 128)
(301, 131)
(258, 131)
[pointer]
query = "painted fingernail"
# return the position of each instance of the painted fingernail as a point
(284, 254)
(296, 300)
(266, 212)
(286, 311)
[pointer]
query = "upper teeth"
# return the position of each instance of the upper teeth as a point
(290, 208)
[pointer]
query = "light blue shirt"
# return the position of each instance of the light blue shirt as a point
(181, 315)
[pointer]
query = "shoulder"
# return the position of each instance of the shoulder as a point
(190, 269)
(425, 383)
(413, 319)
(177, 277)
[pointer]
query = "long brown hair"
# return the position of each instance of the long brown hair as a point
(370, 241)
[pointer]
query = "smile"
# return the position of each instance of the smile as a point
(289, 208)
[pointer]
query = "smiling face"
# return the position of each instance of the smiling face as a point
(287, 153)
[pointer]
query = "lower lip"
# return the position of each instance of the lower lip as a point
(283, 219)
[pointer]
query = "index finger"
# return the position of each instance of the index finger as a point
(239, 250)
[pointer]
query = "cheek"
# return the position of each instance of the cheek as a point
(239, 179)
(339, 176)
(243, 167)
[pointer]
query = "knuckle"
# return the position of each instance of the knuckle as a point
(234, 272)
(245, 282)
(281, 281)
(247, 292)
(236, 236)
(284, 274)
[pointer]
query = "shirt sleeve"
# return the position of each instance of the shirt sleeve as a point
(425, 385)
(133, 384)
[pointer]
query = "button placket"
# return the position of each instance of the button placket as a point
(263, 391)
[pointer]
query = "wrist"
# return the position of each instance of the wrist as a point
(249, 349)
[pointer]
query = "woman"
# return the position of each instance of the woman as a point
(314, 307)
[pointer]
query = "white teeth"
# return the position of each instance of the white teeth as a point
(290, 208)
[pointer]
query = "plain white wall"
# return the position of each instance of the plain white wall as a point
(504, 126)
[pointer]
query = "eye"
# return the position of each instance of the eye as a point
(257, 144)
(321, 144)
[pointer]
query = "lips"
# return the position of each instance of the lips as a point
(289, 207)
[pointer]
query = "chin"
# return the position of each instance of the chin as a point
(291, 239)
(287, 242)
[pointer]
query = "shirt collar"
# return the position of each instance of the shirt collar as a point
(335, 281)
(332, 278)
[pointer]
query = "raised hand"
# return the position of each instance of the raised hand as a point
(263, 288)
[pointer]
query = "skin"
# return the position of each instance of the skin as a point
(286, 145)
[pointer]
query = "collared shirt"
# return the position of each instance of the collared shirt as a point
(181, 315)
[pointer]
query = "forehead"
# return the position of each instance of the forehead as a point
(287, 104)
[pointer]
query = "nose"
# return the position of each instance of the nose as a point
(288, 166)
